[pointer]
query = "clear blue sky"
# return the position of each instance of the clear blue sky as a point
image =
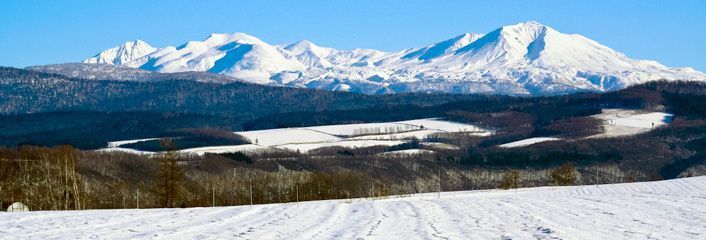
(44, 32)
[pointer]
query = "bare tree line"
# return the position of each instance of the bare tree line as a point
(64, 178)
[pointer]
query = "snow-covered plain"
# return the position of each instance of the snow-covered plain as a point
(624, 122)
(672, 209)
(529, 141)
(305, 147)
(305, 139)
(407, 152)
(616, 123)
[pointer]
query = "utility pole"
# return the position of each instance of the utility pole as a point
(138, 198)
(213, 196)
(372, 192)
(235, 195)
(438, 173)
(250, 187)
(297, 193)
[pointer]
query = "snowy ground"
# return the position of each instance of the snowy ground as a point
(345, 135)
(622, 122)
(407, 152)
(672, 209)
(616, 123)
(528, 141)
(305, 147)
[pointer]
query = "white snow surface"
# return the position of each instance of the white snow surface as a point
(281, 136)
(407, 152)
(446, 126)
(671, 209)
(525, 58)
(125, 142)
(305, 147)
(529, 141)
(625, 122)
(348, 130)
(124, 150)
(224, 149)
(304, 139)
(421, 134)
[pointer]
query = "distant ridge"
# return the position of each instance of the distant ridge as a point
(522, 59)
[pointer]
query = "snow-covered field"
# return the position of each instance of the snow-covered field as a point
(672, 209)
(622, 122)
(305, 147)
(616, 123)
(305, 139)
(528, 141)
(407, 152)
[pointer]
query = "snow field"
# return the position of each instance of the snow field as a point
(120, 143)
(305, 139)
(529, 141)
(623, 122)
(446, 126)
(306, 147)
(349, 130)
(407, 152)
(224, 149)
(616, 123)
(671, 209)
(280, 136)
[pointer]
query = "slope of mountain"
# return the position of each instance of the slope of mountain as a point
(526, 58)
(122, 73)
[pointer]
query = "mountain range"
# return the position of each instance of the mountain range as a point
(522, 59)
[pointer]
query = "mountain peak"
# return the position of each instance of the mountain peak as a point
(309, 53)
(300, 46)
(123, 53)
(231, 37)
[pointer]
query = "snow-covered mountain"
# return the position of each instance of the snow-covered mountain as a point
(526, 58)
(123, 54)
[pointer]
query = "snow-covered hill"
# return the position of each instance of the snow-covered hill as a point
(671, 209)
(526, 58)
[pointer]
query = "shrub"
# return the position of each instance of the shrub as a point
(565, 175)
(510, 180)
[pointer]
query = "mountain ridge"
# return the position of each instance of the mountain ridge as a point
(522, 59)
